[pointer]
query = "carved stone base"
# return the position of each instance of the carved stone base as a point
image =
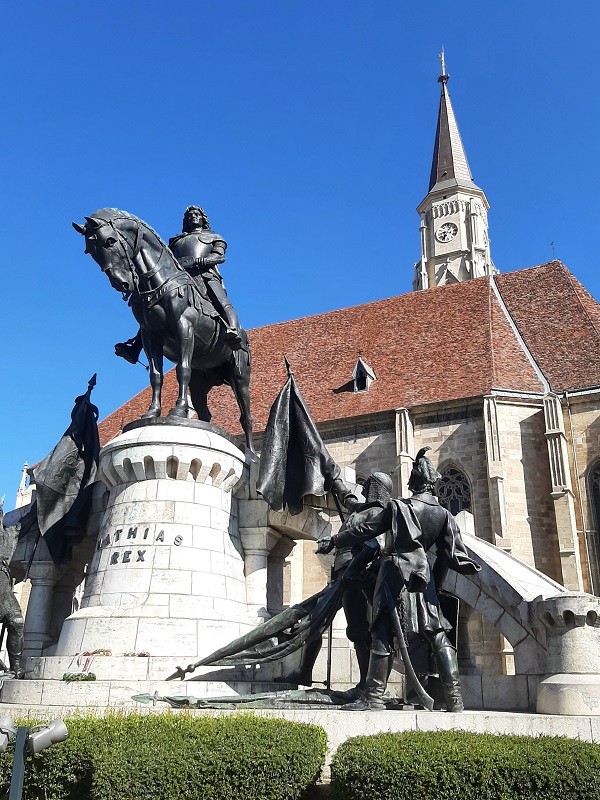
(167, 576)
(575, 695)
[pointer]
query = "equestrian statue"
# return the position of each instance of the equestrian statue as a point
(179, 316)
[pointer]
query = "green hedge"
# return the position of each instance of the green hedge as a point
(455, 765)
(175, 756)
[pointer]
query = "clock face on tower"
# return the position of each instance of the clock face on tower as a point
(446, 232)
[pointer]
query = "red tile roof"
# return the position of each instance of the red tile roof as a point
(559, 321)
(444, 344)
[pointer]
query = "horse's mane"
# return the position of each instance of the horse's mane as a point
(115, 214)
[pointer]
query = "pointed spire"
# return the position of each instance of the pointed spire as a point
(450, 166)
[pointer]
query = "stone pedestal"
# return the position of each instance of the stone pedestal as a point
(572, 686)
(167, 576)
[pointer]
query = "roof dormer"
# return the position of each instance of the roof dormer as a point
(362, 375)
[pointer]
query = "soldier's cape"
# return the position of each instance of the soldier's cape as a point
(294, 461)
(64, 480)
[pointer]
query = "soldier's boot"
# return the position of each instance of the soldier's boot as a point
(15, 667)
(375, 686)
(447, 664)
(131, 349)
(390, 666)
(362, 656)
(14, 645)
(303, 673)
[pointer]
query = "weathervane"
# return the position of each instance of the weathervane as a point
(444, 77)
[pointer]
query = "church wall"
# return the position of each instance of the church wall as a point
(366, 447)
(459, 437)
(530, 514)
(456, 435)
(582, 428)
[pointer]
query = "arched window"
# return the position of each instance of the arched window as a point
(594, 492)
(454, 491)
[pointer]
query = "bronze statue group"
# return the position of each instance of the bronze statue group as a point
(384, 575)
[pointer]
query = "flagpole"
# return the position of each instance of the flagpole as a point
(330, 630)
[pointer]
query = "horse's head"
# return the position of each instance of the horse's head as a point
(106, 240)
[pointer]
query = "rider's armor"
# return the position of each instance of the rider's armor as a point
(192, 251)
(200, 252)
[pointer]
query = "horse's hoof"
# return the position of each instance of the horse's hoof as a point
(179, 411)
(152, 413)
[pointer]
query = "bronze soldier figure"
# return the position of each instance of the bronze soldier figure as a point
(358, 590)
(411, 527)
(200, 251)
(10, 611)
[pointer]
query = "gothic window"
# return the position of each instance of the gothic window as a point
(453, 491)
(594, 489)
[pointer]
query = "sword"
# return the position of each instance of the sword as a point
(425, 700)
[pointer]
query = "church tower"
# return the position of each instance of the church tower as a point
(454, 228)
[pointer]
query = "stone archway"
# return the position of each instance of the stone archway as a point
(504, 592)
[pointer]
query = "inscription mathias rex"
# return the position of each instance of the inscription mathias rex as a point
(135, 536)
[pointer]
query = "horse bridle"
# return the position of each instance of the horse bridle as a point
(125, 245)
(136, 247)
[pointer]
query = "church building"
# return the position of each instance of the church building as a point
(506, 393)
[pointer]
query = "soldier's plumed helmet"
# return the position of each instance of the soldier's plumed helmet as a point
(423, 475)
(201, 211)
(378, 487)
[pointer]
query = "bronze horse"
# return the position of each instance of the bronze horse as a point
(176, 318)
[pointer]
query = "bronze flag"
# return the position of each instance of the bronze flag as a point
(64, 480)
(294, 461)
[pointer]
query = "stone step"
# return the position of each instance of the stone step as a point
(91, 695)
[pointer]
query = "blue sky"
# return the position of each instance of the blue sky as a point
(306, 131)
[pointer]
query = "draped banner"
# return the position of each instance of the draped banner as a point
(64, 480)
(294, 461)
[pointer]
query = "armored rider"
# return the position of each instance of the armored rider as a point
(200, 251)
